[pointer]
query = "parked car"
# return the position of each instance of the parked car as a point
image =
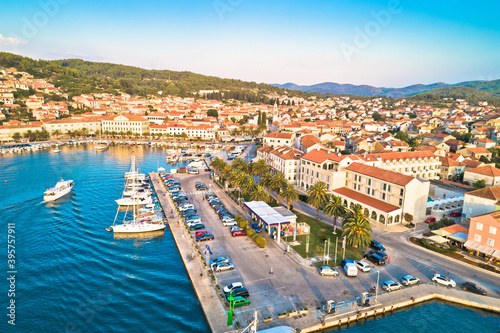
(391, 285)
(327, 270)
(223, 266)
(243, 292)
(256, 227)
(376, 245)
(240, 301)
(473, 288)
(430, 219)
(193, 221)
(444, 280)
(235, 228)
(218, 260)
(380, 253)
(374, 258)
(200, 232)
(362, 266)
(229, 223)
(456, 214)
(349, 267)
(205, 237)
(207, 155)
(186, 206)
(197, 226)
(408, 280)
(238, 233)
(232, 286)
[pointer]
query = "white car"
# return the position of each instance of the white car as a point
(193, 221)
(193, 171)
(408, 280)
(232, 286)
(223, 266)
(444, 280)
(362, 266)
(327, 270)
(229, 223)
(391, 285)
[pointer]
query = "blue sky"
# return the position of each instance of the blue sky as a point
(382, 43)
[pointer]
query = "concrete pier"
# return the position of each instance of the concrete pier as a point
(212, 307)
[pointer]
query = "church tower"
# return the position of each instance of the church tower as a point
(275, 113)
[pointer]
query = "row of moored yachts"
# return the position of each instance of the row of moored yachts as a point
(139, 200)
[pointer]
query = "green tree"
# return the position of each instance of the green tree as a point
(277, 183)
(484, 159)
(260, 168)
(479, 184)
(334, 208)
(290, 194)
(318, 194)
(259, 194)
(212, 113)
(357, 230)
(16, 136)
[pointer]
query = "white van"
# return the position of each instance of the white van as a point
(349, 267)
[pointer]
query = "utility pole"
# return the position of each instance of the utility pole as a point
(336, 245)
(324, 252)
(328, 252)
(307, 243)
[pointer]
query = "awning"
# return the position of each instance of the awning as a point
(438, 239)
(496, 254)
(458, 236)
(440, 232)
(478, 247)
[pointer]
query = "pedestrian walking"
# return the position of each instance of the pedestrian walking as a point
(389, 260)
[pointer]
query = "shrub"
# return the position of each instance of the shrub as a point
(303, 197)
(254, 237)
(238, 218)
(250, 232)
(447, 221)
(429, 246)
(261, 242)
(243, 224)
(436, 225)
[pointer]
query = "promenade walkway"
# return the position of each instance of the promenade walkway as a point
(212, 307)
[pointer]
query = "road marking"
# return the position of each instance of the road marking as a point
(263, 306)
(263, 291)
(272, 277)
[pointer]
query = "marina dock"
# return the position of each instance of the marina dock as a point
(215, 314)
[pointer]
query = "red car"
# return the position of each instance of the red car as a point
(456, 214)
(238, 233)
(430, 219)
(200, 232)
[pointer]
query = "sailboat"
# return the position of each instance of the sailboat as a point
(138, 223)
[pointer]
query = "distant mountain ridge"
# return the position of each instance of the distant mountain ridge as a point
(370, 91)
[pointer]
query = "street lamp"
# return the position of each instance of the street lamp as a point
(376, 288)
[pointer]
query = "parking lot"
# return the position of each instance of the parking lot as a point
(277, 282)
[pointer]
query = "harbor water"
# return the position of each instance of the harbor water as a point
(73, 276)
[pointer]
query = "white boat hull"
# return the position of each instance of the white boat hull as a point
(137, 227)
(57, 192)
(133, 202)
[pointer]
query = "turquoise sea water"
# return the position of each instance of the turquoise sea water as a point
(73, 276)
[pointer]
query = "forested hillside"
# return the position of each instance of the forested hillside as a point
(82, 77)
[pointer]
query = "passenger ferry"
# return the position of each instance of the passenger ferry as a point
(62, 188)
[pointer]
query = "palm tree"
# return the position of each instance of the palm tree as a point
(247, 185)
(240, 163)
(335, 209)
(218, 165)
(264, 180)
(290, 194)
(357, 231)
(318, 194)
(56, 133)
(356, 210)
(249, 168)
(16, 136)
(260, 168)
(259, 194)
(277, 183)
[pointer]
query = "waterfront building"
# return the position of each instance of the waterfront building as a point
(279, 139)
(484, 235)
(124, 123)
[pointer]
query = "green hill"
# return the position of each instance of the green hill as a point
(471, 95)
(82, 77)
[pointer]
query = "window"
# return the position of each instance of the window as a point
(479, 226)
(385, 187)
(369, 182)
(355, 178)
(389, 188)
(493, 230)
(401, 192)
(477, 238)
(383, 196)
(490, 242)
(400, 202)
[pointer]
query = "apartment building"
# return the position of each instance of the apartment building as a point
(279, 139)
(326, 166)
(479, 202)
(488, 173)
(91, 125)
(484, 235)
(126, 122)
(284, 160)
(450, 169)
(418, 164)
(384, 195)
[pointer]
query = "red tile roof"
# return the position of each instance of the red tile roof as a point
(486, 170)
(278, 135)
(385, 175)
(365, 200)
(492, 193)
